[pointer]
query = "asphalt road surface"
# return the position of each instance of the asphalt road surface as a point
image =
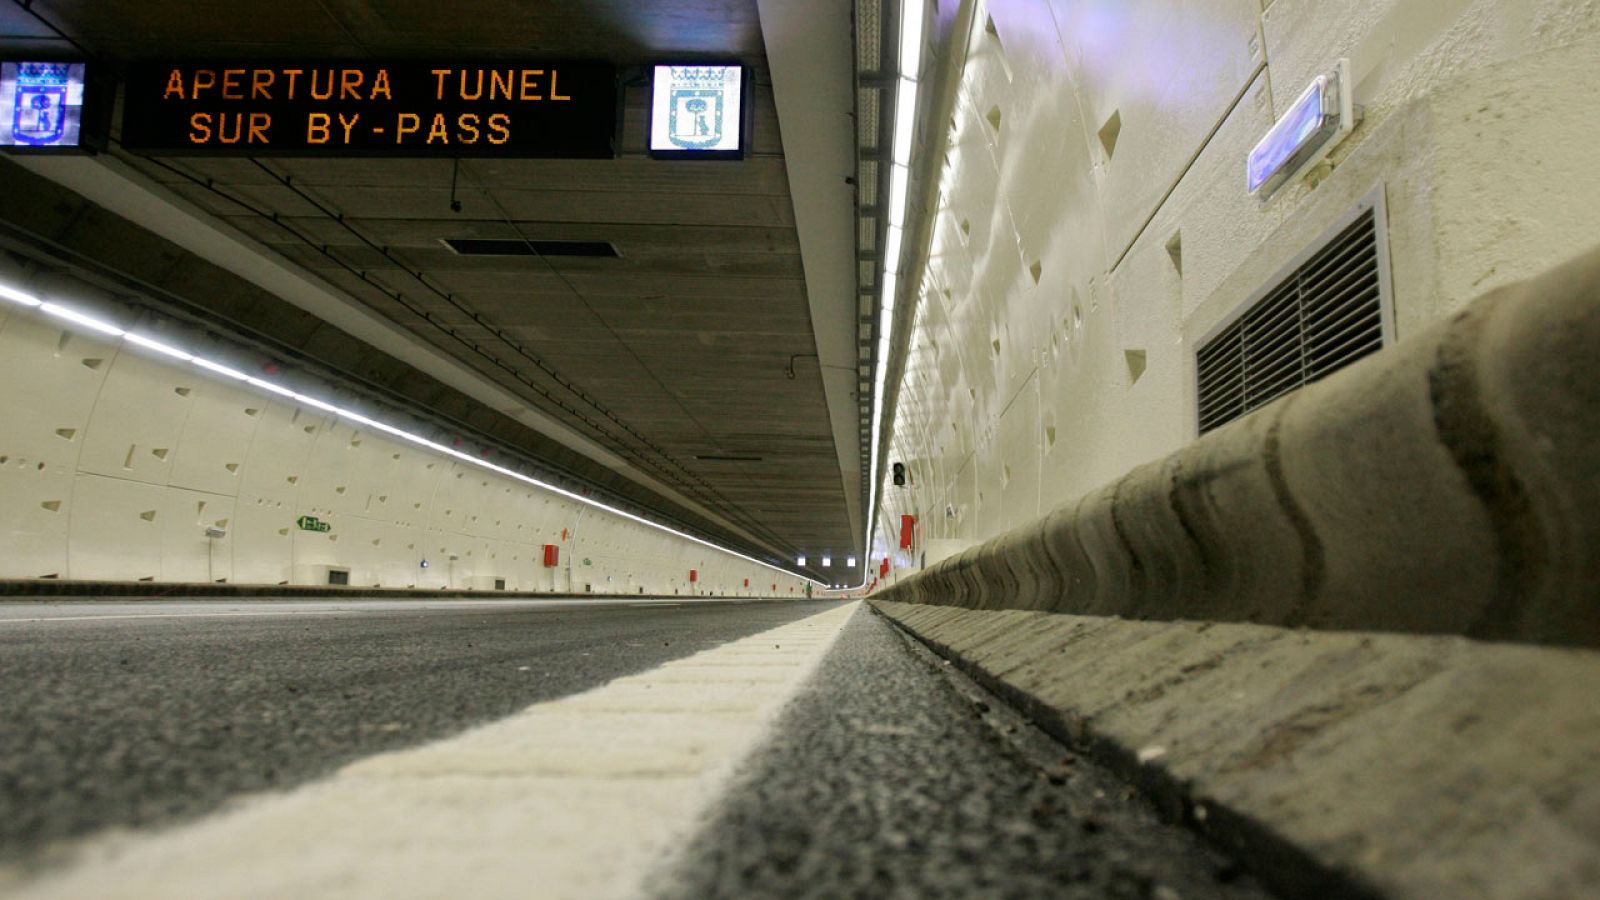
(893, 776)
(130, 714)
(888, 775)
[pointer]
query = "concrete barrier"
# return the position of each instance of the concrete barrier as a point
(1333, 764)
(1449, 484)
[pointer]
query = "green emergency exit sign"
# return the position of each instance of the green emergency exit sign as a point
(312, 523)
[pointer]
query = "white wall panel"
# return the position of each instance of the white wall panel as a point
(1018, 454)
(52, 377)
(37, 505)
(221, 422)
(138, 419)
(1168, 72)
(116, 529)
(261, 540)
(186, 553)
(276, 462)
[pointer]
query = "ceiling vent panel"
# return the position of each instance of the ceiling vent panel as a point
(1328, 311)
(481, 247)
(869, 35)
(867, 182)
(868, 110)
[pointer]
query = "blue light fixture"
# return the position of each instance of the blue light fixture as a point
(1317, 121)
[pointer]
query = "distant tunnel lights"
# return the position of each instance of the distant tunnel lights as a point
(67, 314)
(1318, 120)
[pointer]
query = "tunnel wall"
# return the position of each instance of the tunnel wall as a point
(1451, 485)
(114, 461)
(1091, 223)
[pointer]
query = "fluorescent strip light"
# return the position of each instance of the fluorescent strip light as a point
(16, 296)
(911, 14)
(318, 404)
(905, 120)
(279, 390)
(79, 318)
(891, 284)
(158, 347)
(220, 369)
(899, 188)
(892, 241)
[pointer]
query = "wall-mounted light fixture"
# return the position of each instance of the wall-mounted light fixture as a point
(1322, 116)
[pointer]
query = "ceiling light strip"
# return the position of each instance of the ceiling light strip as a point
(913, 14)
(81, 319)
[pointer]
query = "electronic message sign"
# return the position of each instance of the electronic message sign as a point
(41, 104)
(697, 112)
(519, 109)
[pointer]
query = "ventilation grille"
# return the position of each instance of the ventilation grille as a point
(869, 36)
(476, 247)
(867, 183)
(867, 112)
(1325, 315)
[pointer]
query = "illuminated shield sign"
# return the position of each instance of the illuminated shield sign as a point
(41, 104)
(697, 112)
(530, 108)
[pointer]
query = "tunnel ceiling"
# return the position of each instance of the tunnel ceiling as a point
(676, 354)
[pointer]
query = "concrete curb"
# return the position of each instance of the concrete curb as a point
(1450, 484)
(1336, 764)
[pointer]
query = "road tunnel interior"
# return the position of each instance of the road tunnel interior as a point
(1198, 391)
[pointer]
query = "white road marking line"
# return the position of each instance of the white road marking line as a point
(585, 796)
(206, 615)
(420, 606)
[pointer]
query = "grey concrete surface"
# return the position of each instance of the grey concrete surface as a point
(1338, 763)
(890, 777)
(1449, 484)
(133, 714)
